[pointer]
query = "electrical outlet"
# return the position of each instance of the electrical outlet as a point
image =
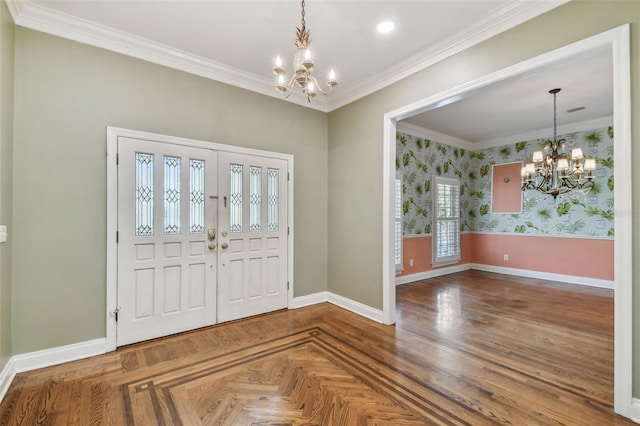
(506, 257)
(410, 262)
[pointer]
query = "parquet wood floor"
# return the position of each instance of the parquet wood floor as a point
(469, 349)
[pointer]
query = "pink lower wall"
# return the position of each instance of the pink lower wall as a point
(419, 249)
(582, 257)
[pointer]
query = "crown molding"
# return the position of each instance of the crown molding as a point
(503, 19)
(421, 132)
(41, 18)
(15, 8)
(578, 126)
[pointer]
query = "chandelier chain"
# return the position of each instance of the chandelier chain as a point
(302, 13)
(555, 117)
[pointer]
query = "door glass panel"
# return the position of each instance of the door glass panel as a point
(235, 198)
(273, 199)
(171, 195)
(255, 198)
(196, 196)
(144, 194)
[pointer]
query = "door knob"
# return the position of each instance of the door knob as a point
(224, 245)
(212, 246)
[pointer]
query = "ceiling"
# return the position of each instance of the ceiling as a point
(236, 41)
(522, 108)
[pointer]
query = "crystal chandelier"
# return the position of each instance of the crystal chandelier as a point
(552, 172)
(302, 68)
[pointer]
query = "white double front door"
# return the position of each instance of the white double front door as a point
(202, 237)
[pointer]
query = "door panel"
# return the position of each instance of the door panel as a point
(166, 268)
(252, 258)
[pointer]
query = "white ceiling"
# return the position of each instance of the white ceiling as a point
(236, 42)
(522, 108)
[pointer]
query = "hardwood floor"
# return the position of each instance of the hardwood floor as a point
(469, 349)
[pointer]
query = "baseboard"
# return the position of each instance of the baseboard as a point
(59, 355)
(6, 377)
(406, 279)
(47, 358)
(310, 299)
(341, 301)
(635, 410)
(569, 279)
(356, 307)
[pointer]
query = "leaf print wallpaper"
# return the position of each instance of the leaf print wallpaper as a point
(419, 159)
(589, 215)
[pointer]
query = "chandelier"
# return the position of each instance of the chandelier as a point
(302, 68)
(553, 172)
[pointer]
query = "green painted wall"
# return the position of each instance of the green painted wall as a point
(7, 30)
(66, 94)
(356, 132)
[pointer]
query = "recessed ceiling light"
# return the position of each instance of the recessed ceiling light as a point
(385, 27)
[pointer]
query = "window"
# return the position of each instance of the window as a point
(196, 196)
(255, 198)
(273, 200)
(235, 198)
(144, 194)
(446, 221)
(171, 195)
(398, 224)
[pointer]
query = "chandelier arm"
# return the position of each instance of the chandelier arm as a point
(288, 88)
(292, 81)
(319, 88)
(285, 94)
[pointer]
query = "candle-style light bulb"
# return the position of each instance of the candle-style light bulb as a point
(332, 80)
(278, 69)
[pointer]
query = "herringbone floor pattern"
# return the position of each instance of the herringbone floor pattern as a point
(305, 378)
(468, 349)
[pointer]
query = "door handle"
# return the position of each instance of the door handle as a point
(212, 246)
(211, 234)
(224, 246)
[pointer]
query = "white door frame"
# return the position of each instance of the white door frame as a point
(112, 209)
(617, 40)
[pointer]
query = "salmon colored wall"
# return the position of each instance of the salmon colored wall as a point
(419, 249)
(506, 195)
(582, 257)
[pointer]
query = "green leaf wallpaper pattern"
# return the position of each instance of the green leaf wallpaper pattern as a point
(421, 159)
(589, 214)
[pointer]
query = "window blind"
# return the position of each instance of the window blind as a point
(446, 217)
